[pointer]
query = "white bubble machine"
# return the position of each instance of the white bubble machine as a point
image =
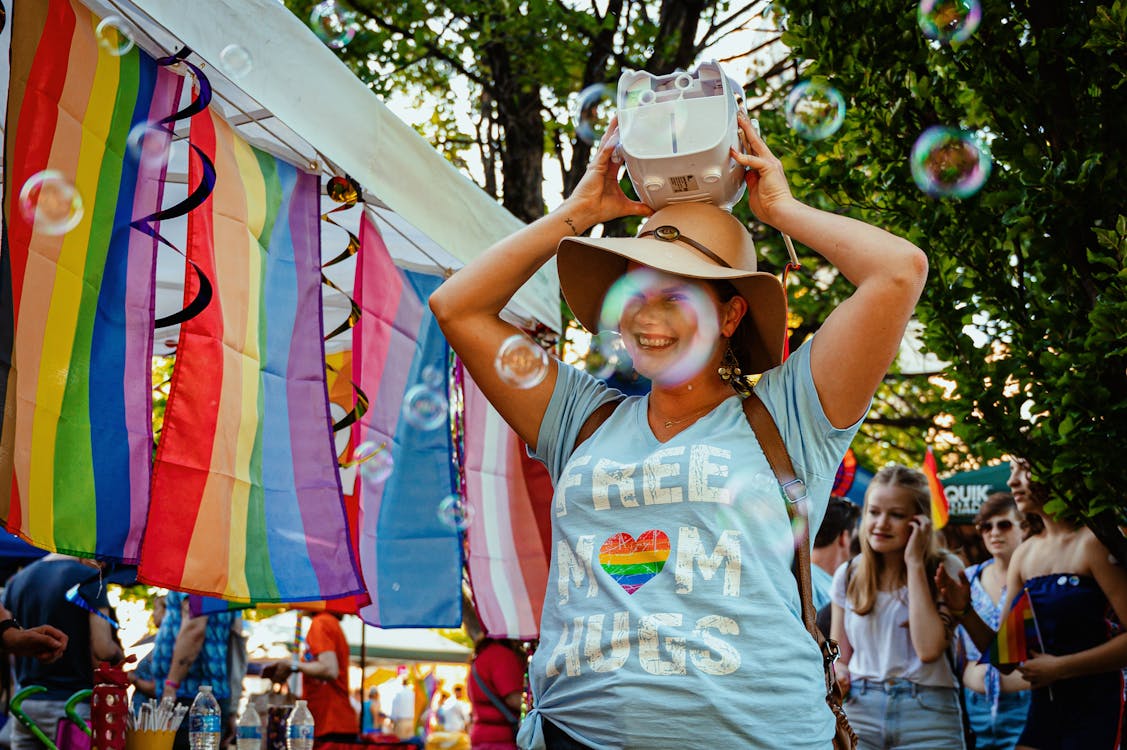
(675, 132)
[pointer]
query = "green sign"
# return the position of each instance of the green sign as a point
(967, 490)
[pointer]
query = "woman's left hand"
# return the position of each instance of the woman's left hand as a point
(916, 550)
(1040, 670)
(767, 188)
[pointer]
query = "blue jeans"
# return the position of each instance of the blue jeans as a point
(1003, 731)
(901, 715)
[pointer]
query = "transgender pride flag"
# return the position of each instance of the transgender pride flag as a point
(510, 538)
(410, 560)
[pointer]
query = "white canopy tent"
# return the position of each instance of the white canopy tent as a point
(300, 102)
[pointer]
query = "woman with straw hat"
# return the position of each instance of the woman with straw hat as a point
(671, 617)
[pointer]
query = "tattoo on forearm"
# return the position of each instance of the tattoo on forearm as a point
(571, 224)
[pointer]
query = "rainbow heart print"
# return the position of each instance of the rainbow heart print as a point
(633, 562)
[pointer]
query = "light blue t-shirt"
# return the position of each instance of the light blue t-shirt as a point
(821, 583)
(671, 617)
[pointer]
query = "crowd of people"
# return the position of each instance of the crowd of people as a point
(673, 615)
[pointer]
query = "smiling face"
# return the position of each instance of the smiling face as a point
(888, 510)
(670, 325)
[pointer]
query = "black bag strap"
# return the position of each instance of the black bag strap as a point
(497, 702)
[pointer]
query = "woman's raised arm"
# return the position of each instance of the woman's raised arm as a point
(468, 305)
(860, 338)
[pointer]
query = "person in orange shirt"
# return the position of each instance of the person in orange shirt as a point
(324, 665)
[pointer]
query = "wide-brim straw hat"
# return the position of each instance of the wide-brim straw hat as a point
(695, 240)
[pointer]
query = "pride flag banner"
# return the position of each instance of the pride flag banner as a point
(76, 308)
(247, 502)
(940, 510)
(1017, 635)
(509, 541)
(411, 560)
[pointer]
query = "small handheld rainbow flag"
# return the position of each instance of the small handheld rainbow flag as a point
(940, 511)
(1017, 635)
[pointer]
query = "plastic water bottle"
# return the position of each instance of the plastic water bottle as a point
(299, 728)
(204, 721)
(249, 735)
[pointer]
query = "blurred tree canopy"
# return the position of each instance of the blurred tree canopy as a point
(518, 63)
(1027, 295)
(1028, 291)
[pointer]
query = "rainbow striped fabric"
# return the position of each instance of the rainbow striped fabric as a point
(1017, 635)
(510, 539)
(76, 309)
(411, 561)
(940, 509)
(631, 562)
(247, 502)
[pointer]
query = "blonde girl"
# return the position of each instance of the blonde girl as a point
(892, 629)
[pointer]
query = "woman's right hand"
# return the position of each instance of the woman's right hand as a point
(599, 197)
(955, 593)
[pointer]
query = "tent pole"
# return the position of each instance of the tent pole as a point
(363, 675)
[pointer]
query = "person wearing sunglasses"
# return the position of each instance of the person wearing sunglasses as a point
(996, 704)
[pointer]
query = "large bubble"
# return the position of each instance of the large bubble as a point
(950, 163)
(425, 408)
(455, 513)
(949, 21)
(815, 110)
(607, 355)
(114, 35)
(151, 144)
(593, 107)
(236, 61)
(374, 462)
(51, 203)
(334, 25)
(521, 363)
(669, 324)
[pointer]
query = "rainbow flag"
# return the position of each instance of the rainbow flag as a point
(76, 309)
(247, 502)
(1017, 635)
(940, 510)
(509, 542)
(411, 560)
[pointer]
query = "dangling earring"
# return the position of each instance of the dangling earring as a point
(729, 371)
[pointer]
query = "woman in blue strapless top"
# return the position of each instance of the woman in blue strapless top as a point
(1076, 588)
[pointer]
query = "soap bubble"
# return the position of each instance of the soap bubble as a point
(606, 355)
(334, 25)
(949, 20)
(374, 462)
(433, 377)
(51, 203)
(664, 296)
(815, 110)
(521, 362)
(593, 108)
(236, 60)
(950, 163)
(425, 408)
(151, 144)
(454, 512)
(114, 36)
